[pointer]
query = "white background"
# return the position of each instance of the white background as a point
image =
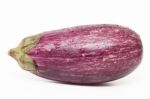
(21, 18)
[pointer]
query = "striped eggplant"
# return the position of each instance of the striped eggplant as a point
(82, 54)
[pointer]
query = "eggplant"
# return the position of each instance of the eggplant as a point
(86, 54)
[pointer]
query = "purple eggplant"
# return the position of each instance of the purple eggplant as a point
(85, 54)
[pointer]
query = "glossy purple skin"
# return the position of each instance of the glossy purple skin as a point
(87, 54)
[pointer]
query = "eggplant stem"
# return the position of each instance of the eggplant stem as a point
(20, 53)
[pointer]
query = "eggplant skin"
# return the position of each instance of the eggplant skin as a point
(87, 54)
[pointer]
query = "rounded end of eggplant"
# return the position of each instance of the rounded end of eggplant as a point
(20, 53)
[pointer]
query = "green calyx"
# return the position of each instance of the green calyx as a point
(20, 53)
